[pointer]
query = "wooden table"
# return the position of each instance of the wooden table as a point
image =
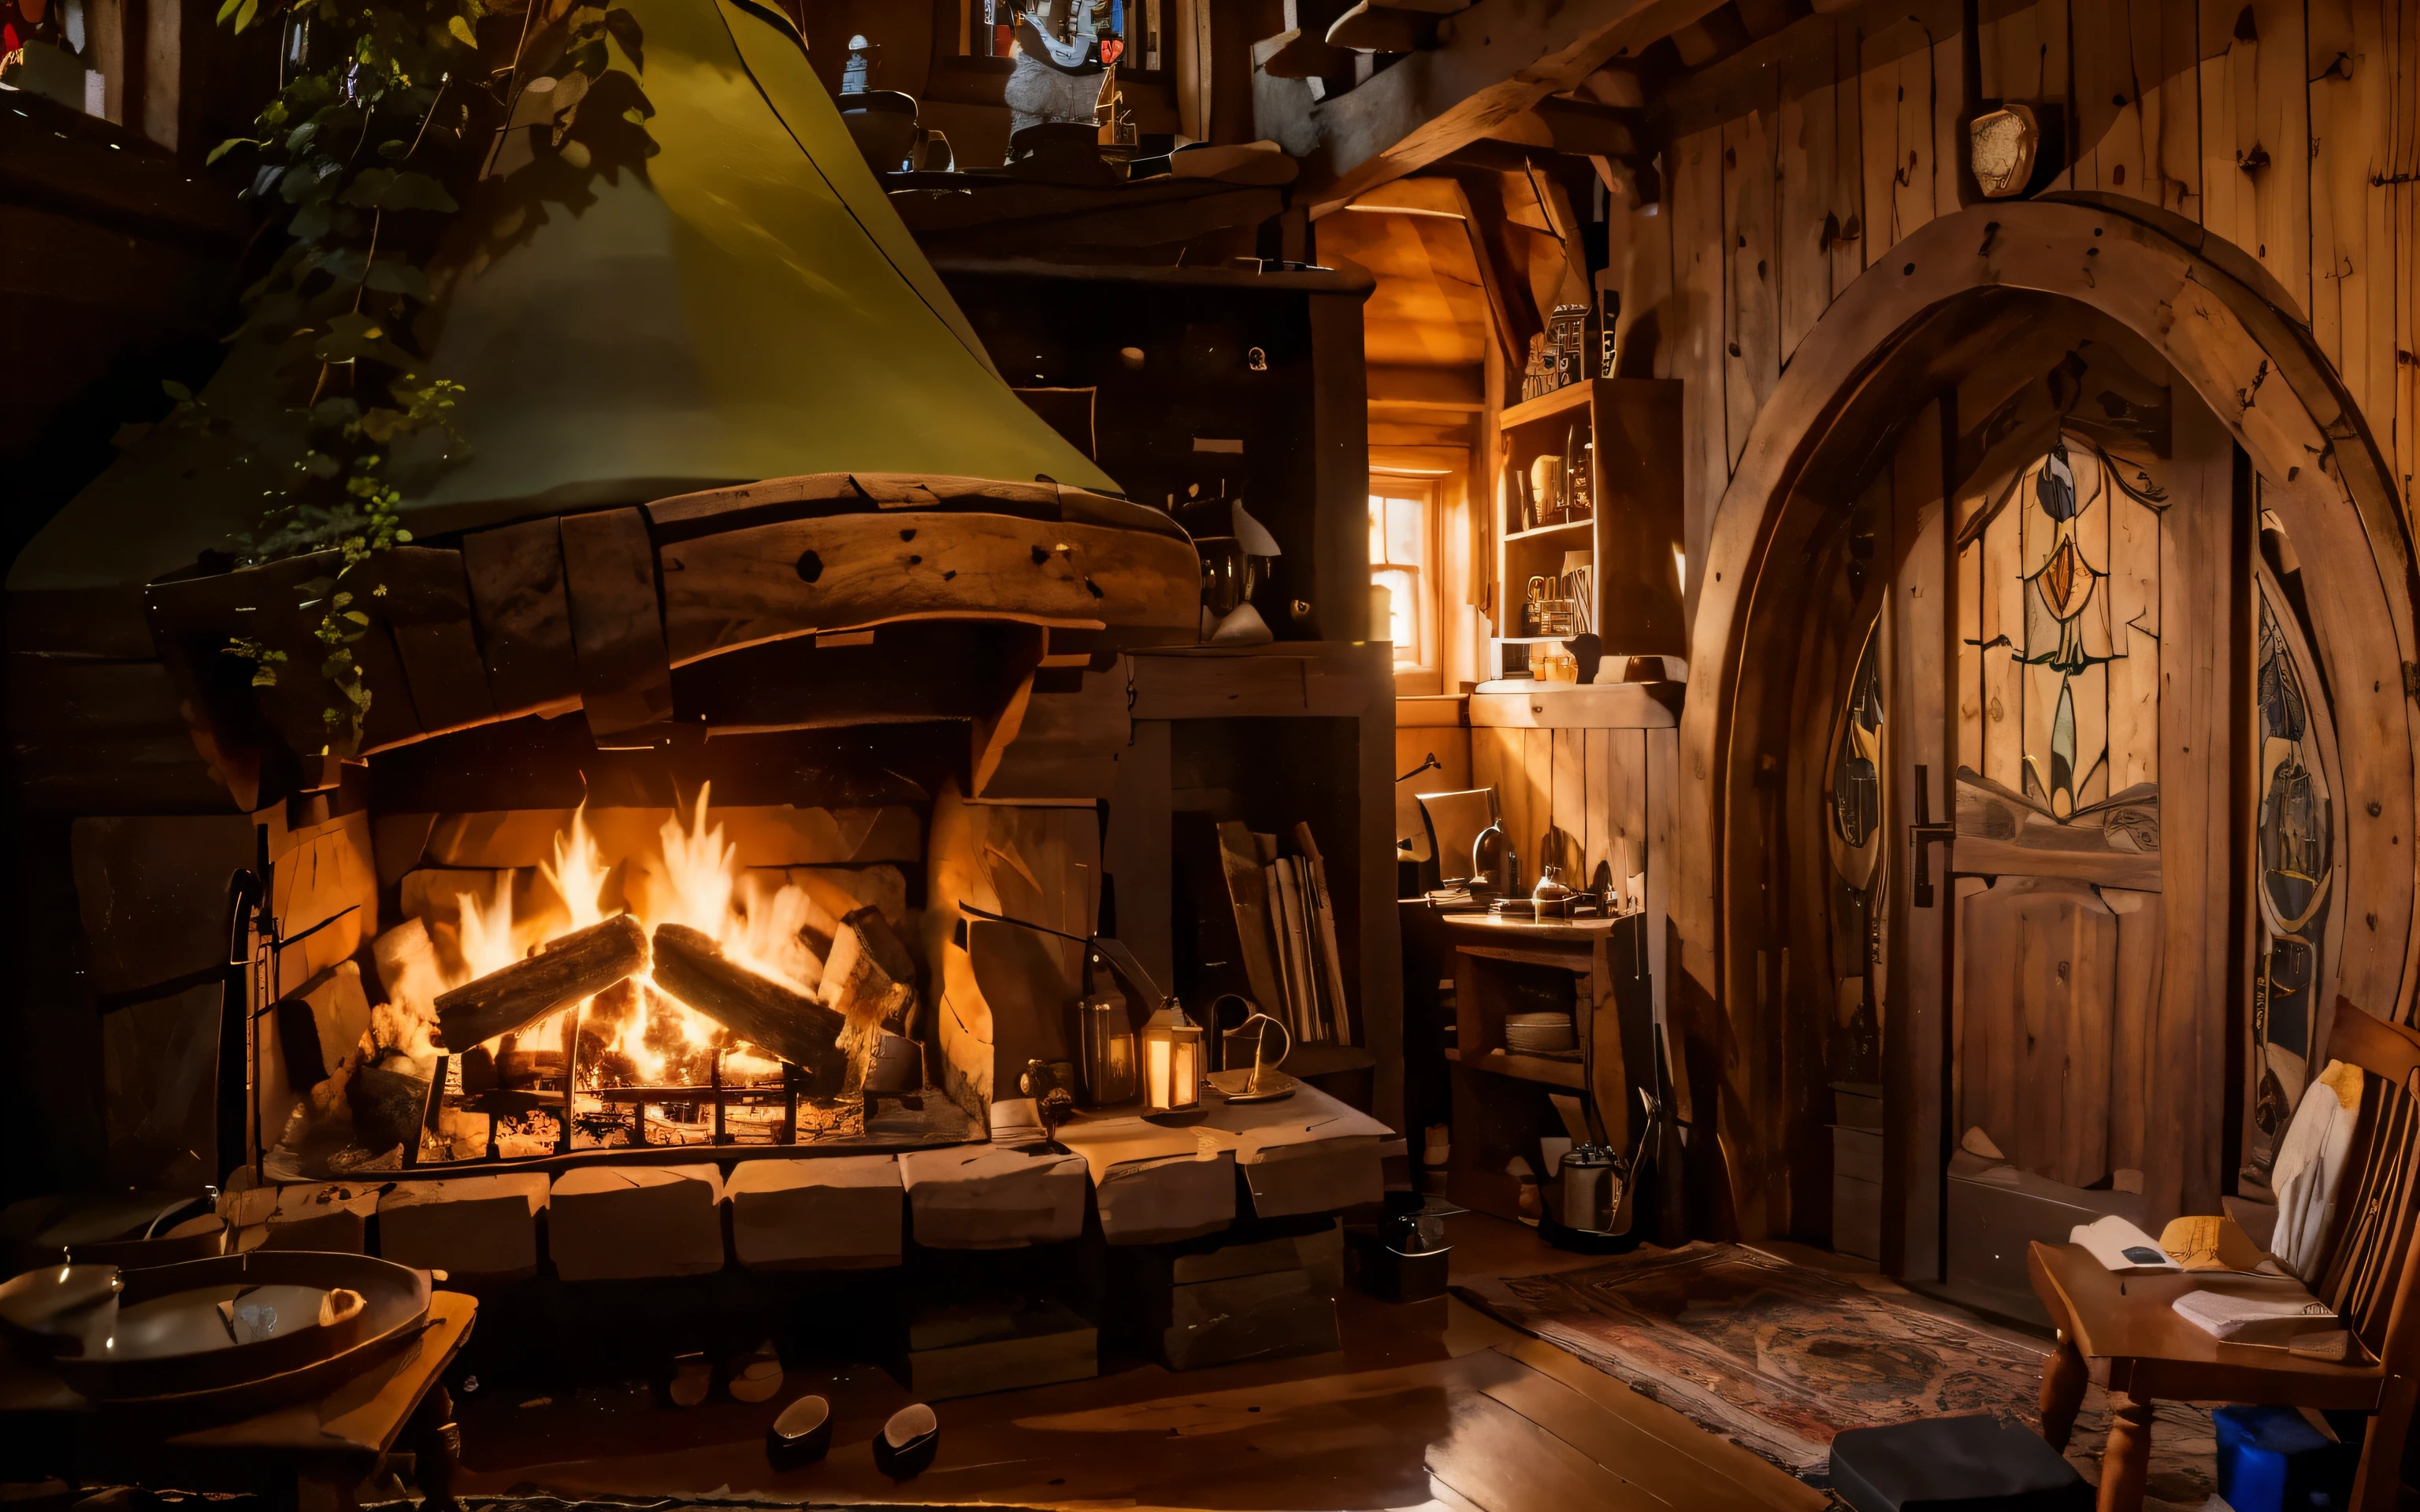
(1612, 1016)
(323, 1449)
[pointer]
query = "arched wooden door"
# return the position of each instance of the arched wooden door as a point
(1922, 380)
(2060, 679)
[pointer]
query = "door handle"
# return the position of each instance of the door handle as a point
(1924, 834)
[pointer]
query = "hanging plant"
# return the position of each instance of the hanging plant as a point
(387, 113)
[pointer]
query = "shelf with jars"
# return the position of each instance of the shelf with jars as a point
(1588, 529)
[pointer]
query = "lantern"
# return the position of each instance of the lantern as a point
(1171, 1059)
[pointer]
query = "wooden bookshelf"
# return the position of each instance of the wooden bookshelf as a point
(1631, 429)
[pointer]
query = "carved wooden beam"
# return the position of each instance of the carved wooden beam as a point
(848, 571)
(1490, 63)
(551, 615)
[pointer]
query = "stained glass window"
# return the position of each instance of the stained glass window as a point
(2295, 846)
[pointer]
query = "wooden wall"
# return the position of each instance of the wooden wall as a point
(2288, 128)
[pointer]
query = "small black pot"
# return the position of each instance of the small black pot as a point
(908, 1443)
(801, 1435)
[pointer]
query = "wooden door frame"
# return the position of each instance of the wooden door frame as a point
(1894, 338)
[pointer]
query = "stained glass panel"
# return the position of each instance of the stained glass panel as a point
(2296, 876)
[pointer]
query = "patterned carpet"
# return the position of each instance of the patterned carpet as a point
(1780, 1357)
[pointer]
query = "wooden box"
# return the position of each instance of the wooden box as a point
(966, 1348)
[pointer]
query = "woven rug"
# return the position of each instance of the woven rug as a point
(1780, 1357)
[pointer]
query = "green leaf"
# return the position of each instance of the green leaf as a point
(244, 12)
(351, 336)
(227, 9)
(229, 145)
(391, 150)
(312, 222)
(357, 616)
(461, 30)
(624, 29)
(307, 179)
(176, 391)
(390, 277)
(385, 188)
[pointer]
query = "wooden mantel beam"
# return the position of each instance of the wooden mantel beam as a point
(1490, 63)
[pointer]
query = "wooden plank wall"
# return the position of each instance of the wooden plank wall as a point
(1575, 797)
(2291, 128)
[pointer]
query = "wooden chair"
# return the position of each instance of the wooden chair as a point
(1454, 819)
(2122, 1331)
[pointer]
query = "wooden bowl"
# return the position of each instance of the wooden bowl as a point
(48, 1311)
(178, 1360)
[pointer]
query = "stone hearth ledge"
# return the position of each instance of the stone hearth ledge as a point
(1305, 1153)
(315, 1216)
(835, 1213)
(982, 1197)
(471, 1227)
(612, 1222)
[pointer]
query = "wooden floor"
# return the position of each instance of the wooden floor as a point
(1433, 1405)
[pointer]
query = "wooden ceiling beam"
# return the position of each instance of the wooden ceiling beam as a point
(1581, 128)
(1491, 62)
(1383, 26)
(1295, 54)
(1455, 389)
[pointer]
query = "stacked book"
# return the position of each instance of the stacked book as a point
(1267, 923)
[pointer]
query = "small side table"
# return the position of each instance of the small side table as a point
(320, 1450)
(1500, 1108)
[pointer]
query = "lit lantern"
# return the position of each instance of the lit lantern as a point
(1171, 1059)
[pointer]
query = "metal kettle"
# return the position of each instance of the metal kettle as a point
(1481, 878)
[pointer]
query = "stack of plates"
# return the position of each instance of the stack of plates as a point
(1529, 1034)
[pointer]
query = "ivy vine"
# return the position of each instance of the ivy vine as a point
(387, 113)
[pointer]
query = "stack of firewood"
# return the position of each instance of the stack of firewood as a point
(869, 979)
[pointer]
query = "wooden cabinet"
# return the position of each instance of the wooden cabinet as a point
(1625, 435)
(1196, 386)
(1594, 968)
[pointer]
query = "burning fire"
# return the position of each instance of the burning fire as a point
(645, 1036)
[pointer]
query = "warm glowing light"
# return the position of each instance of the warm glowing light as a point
(636, 1033)
(579, 874)
(487, 932)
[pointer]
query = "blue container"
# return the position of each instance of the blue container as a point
(2271, 1459)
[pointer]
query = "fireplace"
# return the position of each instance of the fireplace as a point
(661, 909)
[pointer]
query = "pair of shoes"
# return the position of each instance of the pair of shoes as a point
(802, 1434)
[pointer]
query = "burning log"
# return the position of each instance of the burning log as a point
(690, 965)
(870, 972)
(578, 966)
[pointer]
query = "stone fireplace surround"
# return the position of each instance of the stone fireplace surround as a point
(900, 691)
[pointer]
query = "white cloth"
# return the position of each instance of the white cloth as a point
(2310, 1166)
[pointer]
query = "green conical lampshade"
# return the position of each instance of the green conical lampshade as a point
(745, 305)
